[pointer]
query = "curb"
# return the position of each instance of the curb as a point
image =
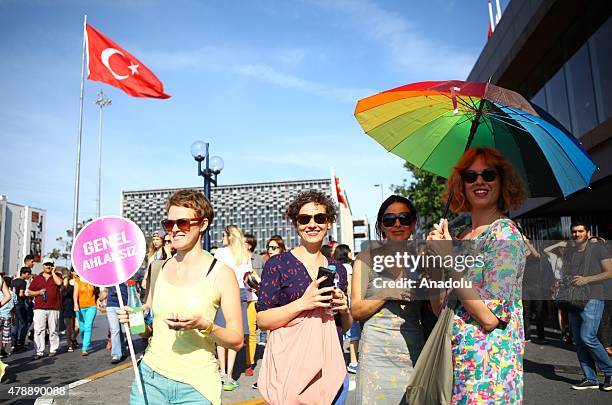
(49, 401)
(102, 374)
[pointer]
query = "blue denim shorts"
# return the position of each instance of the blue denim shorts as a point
(160, 390)
(354, 334)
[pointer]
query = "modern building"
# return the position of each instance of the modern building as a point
(257, 208)
(558, 54)
(21, 234)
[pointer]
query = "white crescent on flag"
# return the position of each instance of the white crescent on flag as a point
(105, 56)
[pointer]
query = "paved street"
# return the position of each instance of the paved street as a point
(550, 369)
(61, 370)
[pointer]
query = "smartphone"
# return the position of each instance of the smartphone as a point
(329, 281)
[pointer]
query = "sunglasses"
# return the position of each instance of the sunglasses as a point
(304, 219)
(166, 241)
(470, 176)
(405, 218)
(272, 247)
(48, 264)
(183, 224)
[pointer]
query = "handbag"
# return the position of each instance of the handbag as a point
(431, 381)
(570, 296)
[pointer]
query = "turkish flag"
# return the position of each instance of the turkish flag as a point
(109, 63)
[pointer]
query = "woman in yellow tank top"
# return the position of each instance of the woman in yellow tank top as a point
(180, 360)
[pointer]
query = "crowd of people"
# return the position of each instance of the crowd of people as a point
(207, 306)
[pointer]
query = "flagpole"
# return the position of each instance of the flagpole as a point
(77, 176)
(491, 19)
(101, 102)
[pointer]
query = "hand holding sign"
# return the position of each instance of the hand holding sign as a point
(107, 252)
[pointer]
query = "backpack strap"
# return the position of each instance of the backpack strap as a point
(211, 267)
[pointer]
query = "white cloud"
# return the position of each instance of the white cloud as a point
(241, 62)
(414, 51)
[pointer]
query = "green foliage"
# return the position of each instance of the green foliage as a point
(425, 192)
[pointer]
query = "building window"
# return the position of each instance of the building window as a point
(580, 92)
(556, 99)
(600, 47)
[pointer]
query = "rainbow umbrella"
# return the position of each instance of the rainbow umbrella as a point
(431, 124)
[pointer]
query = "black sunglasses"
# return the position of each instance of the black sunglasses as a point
(304, 219)
(405, 218)
(271, 247)
(166, 241)
(470, 176)
(183, 224)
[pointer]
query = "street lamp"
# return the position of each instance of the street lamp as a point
(212, 167)
(381, 191)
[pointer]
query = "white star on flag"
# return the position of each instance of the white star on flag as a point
(133, 68)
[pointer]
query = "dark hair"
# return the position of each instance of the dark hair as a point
(512, 191)
(7, 280)
(578, 222)
(326, 251)
(309, 196)
(251, 240)
(279, 241)
(341, 253)
(25, 270)
(28, 257)
(380, 232)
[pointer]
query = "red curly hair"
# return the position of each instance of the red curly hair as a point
(512, 190)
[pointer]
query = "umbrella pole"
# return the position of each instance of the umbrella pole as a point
(473, 129)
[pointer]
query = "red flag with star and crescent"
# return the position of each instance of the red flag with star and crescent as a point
(107, 62)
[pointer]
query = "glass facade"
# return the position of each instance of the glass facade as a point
(579, 92)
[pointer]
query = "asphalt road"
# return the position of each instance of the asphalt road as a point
(550, 369)
(60, 370)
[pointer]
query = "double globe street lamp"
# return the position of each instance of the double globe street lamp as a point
(212, 167)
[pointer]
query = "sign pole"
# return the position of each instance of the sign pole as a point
(128, 335)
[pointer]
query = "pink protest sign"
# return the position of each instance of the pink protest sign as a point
(108, 251)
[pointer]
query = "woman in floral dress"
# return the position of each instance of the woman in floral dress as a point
(488, 337)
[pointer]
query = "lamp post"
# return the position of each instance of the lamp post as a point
(102, 102)
(212, 167)
(381, 191)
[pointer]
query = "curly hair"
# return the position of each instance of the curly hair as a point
(512, 190)
(309, 196)
(194, 200)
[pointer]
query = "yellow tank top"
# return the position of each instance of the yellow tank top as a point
(87, 297)
(185, 356)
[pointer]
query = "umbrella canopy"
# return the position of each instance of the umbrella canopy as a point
(430, 124)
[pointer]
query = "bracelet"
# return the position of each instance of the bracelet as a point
(208, 329)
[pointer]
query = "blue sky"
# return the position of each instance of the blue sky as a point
(272, 85)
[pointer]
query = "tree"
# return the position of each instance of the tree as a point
(425, 192)
(66, 243)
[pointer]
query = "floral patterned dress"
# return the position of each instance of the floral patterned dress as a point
(488, 367)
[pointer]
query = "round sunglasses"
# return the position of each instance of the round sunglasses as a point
(269, 247)
(304, 219)
(183, 224)
(405, 219)
(470, 176)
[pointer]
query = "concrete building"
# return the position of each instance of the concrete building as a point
(21, 233)
(558, 54)
(257, 208)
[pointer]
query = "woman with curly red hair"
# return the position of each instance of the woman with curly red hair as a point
(488, 337)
